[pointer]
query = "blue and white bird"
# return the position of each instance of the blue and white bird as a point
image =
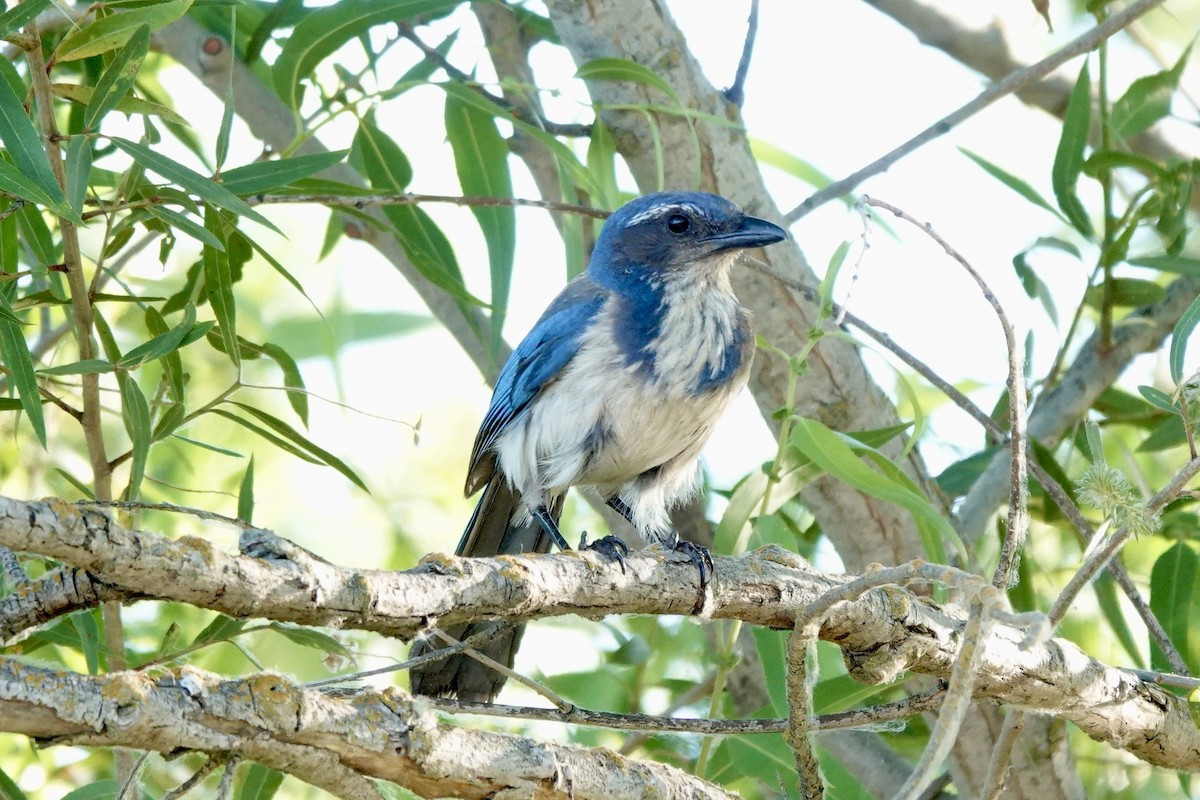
(616, 389)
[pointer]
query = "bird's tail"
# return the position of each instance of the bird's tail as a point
(493, 530)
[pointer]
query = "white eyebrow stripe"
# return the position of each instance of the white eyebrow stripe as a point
(654, 212)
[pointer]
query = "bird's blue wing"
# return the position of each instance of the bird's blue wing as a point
(538, 359)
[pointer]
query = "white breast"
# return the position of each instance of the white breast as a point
(604, 422)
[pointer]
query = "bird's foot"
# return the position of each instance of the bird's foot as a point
(610, 547)
(698, 555)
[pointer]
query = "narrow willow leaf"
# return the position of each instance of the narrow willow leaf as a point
(1159, 399)
(184, 223)
(109, 33)
(1068, 160)
(481, 159)
(311, 638)
(167, 343)
(169, 422)
(1177, 265)
(1169, 433)
(1110, 605)
(19, 361)
(24, 147)
(126, 104)
(266, 176)
(221, 629)
(621, 69)
(260, 783)
(292, 379)
(1013, 182)
(292, 435)
(89, 366)
(306, 337)
(245, 509)
(1173, 596)
(89, 639)
(192, 181)
(135, 412)
(1179, 338)
(1126, 292)
(278, 441)
(20, 15)
(221, 149)
(79, 171)
(1147, 100)
(172, 363)
(118, 77)
(8, 787)
(218, 287)
(324, 30)
(830, 452)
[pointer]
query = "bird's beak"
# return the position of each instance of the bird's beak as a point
(750, 232)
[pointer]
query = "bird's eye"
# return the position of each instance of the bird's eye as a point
(678, 223)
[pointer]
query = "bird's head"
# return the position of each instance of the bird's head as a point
(653, 236)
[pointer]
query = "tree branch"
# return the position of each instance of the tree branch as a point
(883, 633)
(333, 744)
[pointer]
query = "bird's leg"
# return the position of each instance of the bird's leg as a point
(542, 515)
(621, 507)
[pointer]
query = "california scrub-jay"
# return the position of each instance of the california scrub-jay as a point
(616, 388)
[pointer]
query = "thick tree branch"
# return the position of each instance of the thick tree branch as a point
(333, 744)
(883, 633)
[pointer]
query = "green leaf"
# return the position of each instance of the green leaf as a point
(8, 787)
(1114, 614)
(79, 171)
(191, 180)
(1173, 600)
(324, 30)
(20, 15)
(265, 176)
(1169, 433)
(830, 452)
(221, 149)
(1179, 336)
(100, 790)
(260, 783)
(1126, 292)
(958, 478)
(221, 629)
(1147, 100)
(126, 104)
(376, 156)
(481, 158)
(89, 366)
(1068, 160)
(168, 342)
(218, 287)
(109, 33)
(245, 509)
(1013, 182)
(621, 69)
(24, 147)
(1177, 265)
(290, 434)
(169, 421)
(16, 356)
(1159, 399)
(118, 77)
(313, 639)
(135, 411)
(292, 379)
(184, 223)
(772, 652)
(89, 639)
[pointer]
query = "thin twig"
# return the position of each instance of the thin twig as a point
(958, 694)
(491, 663)
(207, 768)
(800, 716)
(1018, 501)
(993, 782)
(859, 718)
(736, 93)
(1014, 81)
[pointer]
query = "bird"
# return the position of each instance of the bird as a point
(615, 389)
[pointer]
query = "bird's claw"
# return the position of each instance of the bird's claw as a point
(697, 554)
(609, 546)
